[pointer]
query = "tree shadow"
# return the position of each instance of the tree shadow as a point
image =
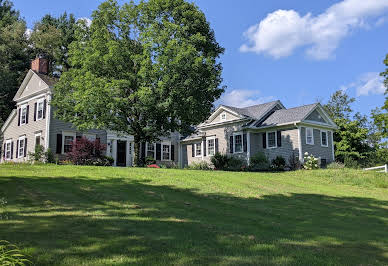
(117, 221)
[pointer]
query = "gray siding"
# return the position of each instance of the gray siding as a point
(317, 150)
(315, 116)
(13, 131)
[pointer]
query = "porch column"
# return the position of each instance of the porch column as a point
(248, 147)
(128, 159)
(114, 151)
(300, 144)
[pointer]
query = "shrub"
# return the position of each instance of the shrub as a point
(279, 163)
(149, 160)
(11, 255)
(86, 152)
(50, 156)
(153, 166)
(203, 165)
(235, 164)
(220, 161)
(350, 162)
(294, 162)
(310, 162)
(259, 162)
(38, 155)
(335, 165)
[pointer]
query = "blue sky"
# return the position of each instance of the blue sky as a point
(295, 51)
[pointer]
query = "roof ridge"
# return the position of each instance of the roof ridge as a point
(299, 106)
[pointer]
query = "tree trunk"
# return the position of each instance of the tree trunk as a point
(137, 160)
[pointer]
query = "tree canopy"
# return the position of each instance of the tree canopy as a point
(145, 70)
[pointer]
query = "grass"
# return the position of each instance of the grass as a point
(68, 215)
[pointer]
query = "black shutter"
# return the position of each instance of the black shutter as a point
(35, 110)
(59, 143)
(158, 151)
(25, 147)
(27, 113)
(231, 144)
(19, 110)
(279, 136)
(4, 151)
(264, 140)
(143, 151)
(204, 147)
(216, 145)
(44, 108)
(172, 153)
(17, 149)
(12, 150)
(192, 150)
(245, 142)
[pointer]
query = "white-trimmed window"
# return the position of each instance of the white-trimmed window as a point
(238, 142)
(324, 139)
(23, 115)
(223, 117)
(8, 149)
(90, 137)
(68, 140)
(21, 147)
(211, 146)
(309, 136)
(271, 140)
(151, 150)
(38, 137)
(198, 149)
(39, 109)
(166, 151)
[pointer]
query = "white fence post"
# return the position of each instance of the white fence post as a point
(386, 168)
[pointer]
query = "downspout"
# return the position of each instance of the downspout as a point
(48, 120)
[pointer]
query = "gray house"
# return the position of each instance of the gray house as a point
(268, 128)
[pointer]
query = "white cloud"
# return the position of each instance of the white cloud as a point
(88, 21)
(283, 31)
(366, 84)
(243, 98)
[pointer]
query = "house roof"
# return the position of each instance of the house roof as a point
(50, 81)
(255, 111)
(284, 116)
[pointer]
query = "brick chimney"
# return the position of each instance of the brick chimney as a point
(40, 65)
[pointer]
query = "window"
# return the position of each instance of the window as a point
(309, 136)
(23, 115)
(238, 143)
(271, 140)
(324, 141)
(198, 149)
(22, 144)
(37, 139)
(8, 150)
(68, 143)
(211, 146)
(39, 109)
(223, 116)
(151, 150)
(166, 152)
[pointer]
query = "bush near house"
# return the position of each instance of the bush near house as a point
(278, 164)
(259, 162)
(87, 152)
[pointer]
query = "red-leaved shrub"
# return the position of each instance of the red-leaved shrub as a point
(153, 166)
(87, 152)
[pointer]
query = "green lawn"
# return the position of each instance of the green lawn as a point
(68, 215)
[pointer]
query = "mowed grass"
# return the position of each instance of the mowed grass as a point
(69, 215)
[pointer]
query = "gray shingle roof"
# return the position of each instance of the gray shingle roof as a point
(255, 111)
(288, 115)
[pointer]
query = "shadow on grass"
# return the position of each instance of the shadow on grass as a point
(120, 221)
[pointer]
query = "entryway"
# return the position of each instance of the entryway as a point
(121, 158)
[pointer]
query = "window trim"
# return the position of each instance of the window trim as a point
(276, 139)
(37, 109)
(312, 136)
(195, 150)
(10, 149)
(67, 134)
(234, 142)
(327, 138)
(23, 138)
(207, 145)
(23, 107)
(147, 150)
(169, 151)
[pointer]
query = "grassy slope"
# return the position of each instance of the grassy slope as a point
(67, 215)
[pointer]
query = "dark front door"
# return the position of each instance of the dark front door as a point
(121, 153)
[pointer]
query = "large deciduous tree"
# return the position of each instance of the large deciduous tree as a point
(51, 37)
(380, 115)
(14, 56)
(145, 70)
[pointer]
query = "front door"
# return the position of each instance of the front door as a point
(121, 158)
